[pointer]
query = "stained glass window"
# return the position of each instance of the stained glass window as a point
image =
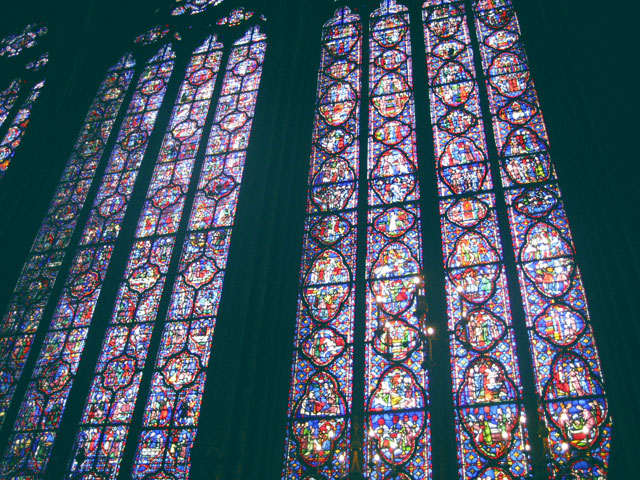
(39, 273)
(107, 413)
(396, 381)
(8, 98)
(153, 35)
(23, 92)
(13, 45)
(44, 403)
(492, 442)
(193, 6)
(236, 17)
(16, 131)
(39, 63)
(322, 436)
(60, 356)
(490, 419)
(320, 397)
(567, 368)
(173, 405)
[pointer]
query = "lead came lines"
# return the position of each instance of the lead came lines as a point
(320, 397)
(397, 440)
(492, 441)
(568, 374)
(105, 421)
(52, 379)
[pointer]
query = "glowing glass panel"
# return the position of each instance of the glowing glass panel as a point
(153, 35)
(13, 45)
(39, 63)
(320, 398)
(492, 442)
(396, 379)
(566, 364)
(112, 396)
(53, 376)
(193, 6)
(33, 289)
(173, 405)
(8, 98)
(236, 17)
(16, 130)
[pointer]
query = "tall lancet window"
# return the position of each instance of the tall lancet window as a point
(173, 403)
(388, 433)
(190, 165)
(486, 381)
(361, 320)
(35, 284)
(568, 381)
(24, 57)
(320, 399)
(396, 381)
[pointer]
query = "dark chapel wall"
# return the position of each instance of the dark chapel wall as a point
(581, 56)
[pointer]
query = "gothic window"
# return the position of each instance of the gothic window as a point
(24, 56)
(396, 373)
(196, 170)
(568, 377)
(173, 403)
(486, 380)
(323, 435)
(320, 399)
(387, 353)
(33, 290)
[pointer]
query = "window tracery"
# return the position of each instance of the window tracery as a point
(113, 394)
(492, 441)
(396, 373)
(320, 398)
(572, 402)
(13, 45)
(23, 90)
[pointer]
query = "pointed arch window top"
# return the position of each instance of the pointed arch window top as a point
(165, 53)
(343, 15)
(193, 7)
(390, 6)
(211, 43)
(127, 61)
(252, 35)
(13, 45)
